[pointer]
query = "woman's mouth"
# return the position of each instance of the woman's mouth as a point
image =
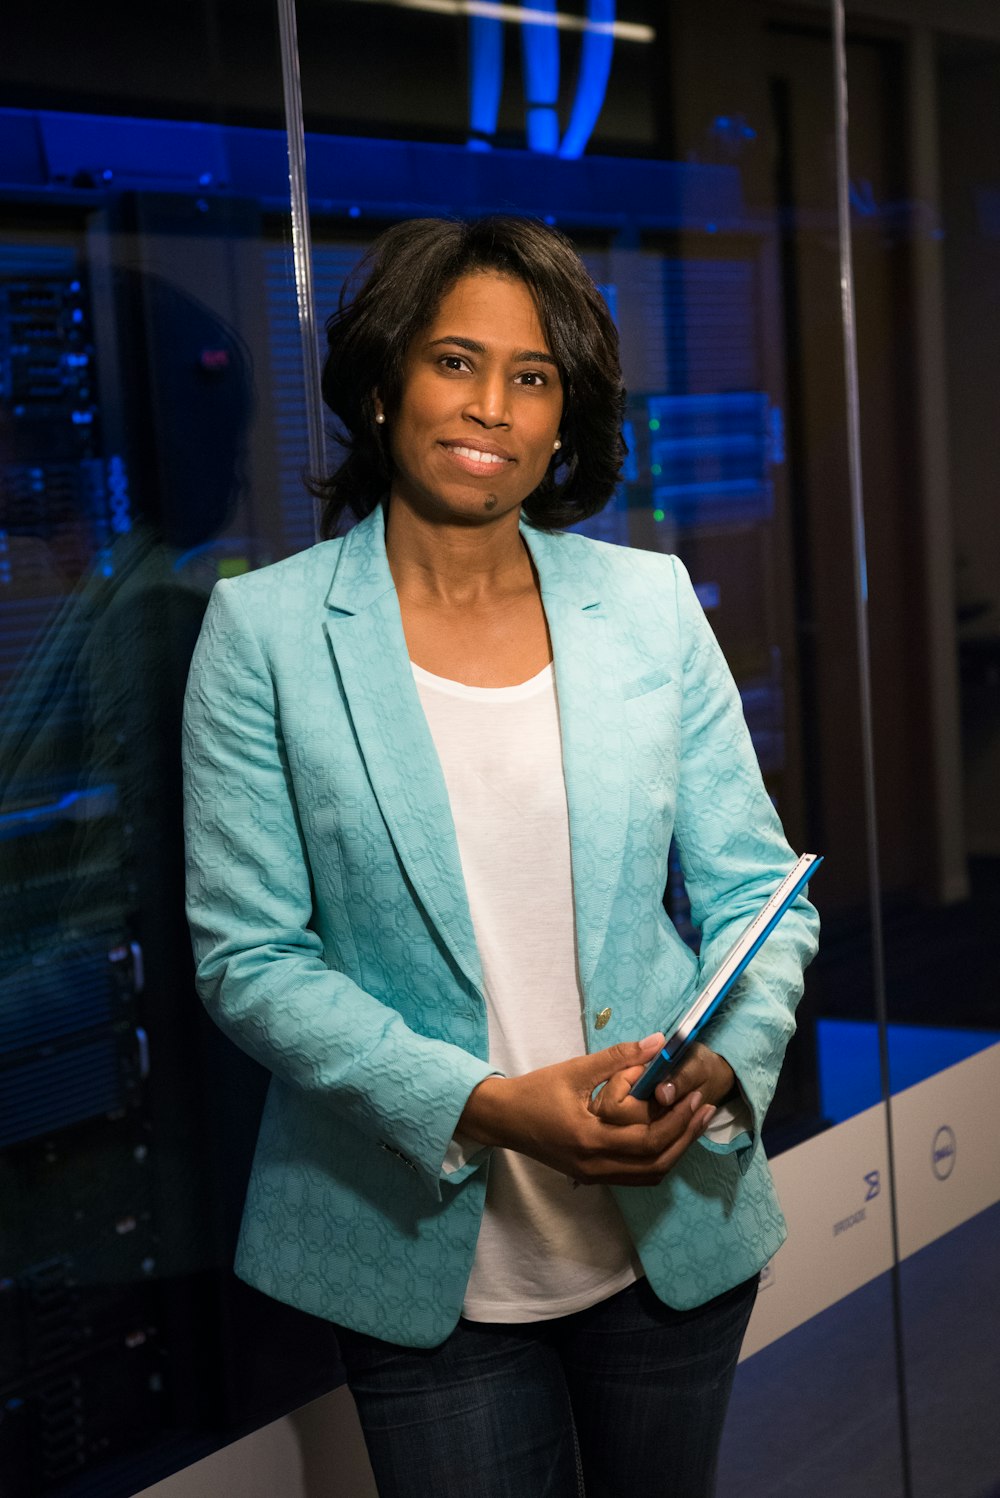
(476, 460)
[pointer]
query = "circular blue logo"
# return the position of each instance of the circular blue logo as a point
(943, 1152)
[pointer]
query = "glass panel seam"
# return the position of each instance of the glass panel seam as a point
(305, 297)
(856, 488)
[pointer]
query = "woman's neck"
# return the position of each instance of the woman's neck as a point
(456, 565)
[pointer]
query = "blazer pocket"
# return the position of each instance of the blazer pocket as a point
(643, 686)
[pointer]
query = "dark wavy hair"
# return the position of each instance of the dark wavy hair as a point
(394, 294)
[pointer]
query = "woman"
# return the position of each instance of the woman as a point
(434, 768)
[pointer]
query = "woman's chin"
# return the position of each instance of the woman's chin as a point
(458, 504)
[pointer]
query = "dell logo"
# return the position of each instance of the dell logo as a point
(943, 1153)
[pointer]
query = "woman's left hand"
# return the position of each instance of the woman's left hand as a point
(701, 1071)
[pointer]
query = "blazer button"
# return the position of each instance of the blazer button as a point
(602, 1019)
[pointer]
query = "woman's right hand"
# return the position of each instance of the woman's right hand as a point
(552, 1115)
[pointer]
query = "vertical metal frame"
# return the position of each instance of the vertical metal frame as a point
(853, 407)
(305, 297)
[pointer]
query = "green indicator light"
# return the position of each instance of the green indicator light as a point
(656, 469)
(659, 515)
(654, 425)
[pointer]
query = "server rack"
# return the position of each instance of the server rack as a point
(152, 438)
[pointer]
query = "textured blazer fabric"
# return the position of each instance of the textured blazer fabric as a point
(332, 931)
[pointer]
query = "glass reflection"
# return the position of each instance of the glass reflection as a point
(922, 150)
(139, 455)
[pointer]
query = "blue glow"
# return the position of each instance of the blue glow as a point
(540, 66)
(540, 62)
(485, 79)
(849, 1062)
(609, 291)
(596, 53)
(98, 800)
(396, 174)
(733, 127)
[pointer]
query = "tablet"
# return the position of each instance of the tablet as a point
(750, 940)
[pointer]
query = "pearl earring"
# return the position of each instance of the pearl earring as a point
(380, 417)
(556, 445)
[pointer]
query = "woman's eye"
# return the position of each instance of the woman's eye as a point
(454, 361)
(532, 377)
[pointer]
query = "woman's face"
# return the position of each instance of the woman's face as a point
(480, 405)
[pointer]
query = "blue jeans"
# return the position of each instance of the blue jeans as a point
(623, 1400)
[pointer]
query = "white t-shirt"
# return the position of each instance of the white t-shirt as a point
(544, 1248)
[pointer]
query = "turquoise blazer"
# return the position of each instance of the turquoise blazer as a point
(333, 939)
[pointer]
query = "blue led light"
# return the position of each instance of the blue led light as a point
(596, 53)
(485, 79)
(540, 65)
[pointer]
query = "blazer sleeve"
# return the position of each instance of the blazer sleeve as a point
(260, 967)
(733, 854)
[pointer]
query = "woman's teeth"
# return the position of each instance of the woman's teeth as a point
(476, 456)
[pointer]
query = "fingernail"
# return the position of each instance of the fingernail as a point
(707, 1119)
(657, 1035)
(696, 1101)
(667, 1093)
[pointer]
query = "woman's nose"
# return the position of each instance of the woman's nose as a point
(488, 401)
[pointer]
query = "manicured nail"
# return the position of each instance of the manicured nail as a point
(696, 1101)
(657, 1035)
(667, 1093)
(707, 1119)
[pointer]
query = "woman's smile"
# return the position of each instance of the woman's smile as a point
(481, 458)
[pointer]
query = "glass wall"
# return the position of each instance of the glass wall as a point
(145, 336)
(925, 129)
(160, 291)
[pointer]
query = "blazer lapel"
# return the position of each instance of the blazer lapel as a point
(365, 631)
(591, 717)
(366, 635)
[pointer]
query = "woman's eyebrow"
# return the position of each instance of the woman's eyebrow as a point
(524, 356)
